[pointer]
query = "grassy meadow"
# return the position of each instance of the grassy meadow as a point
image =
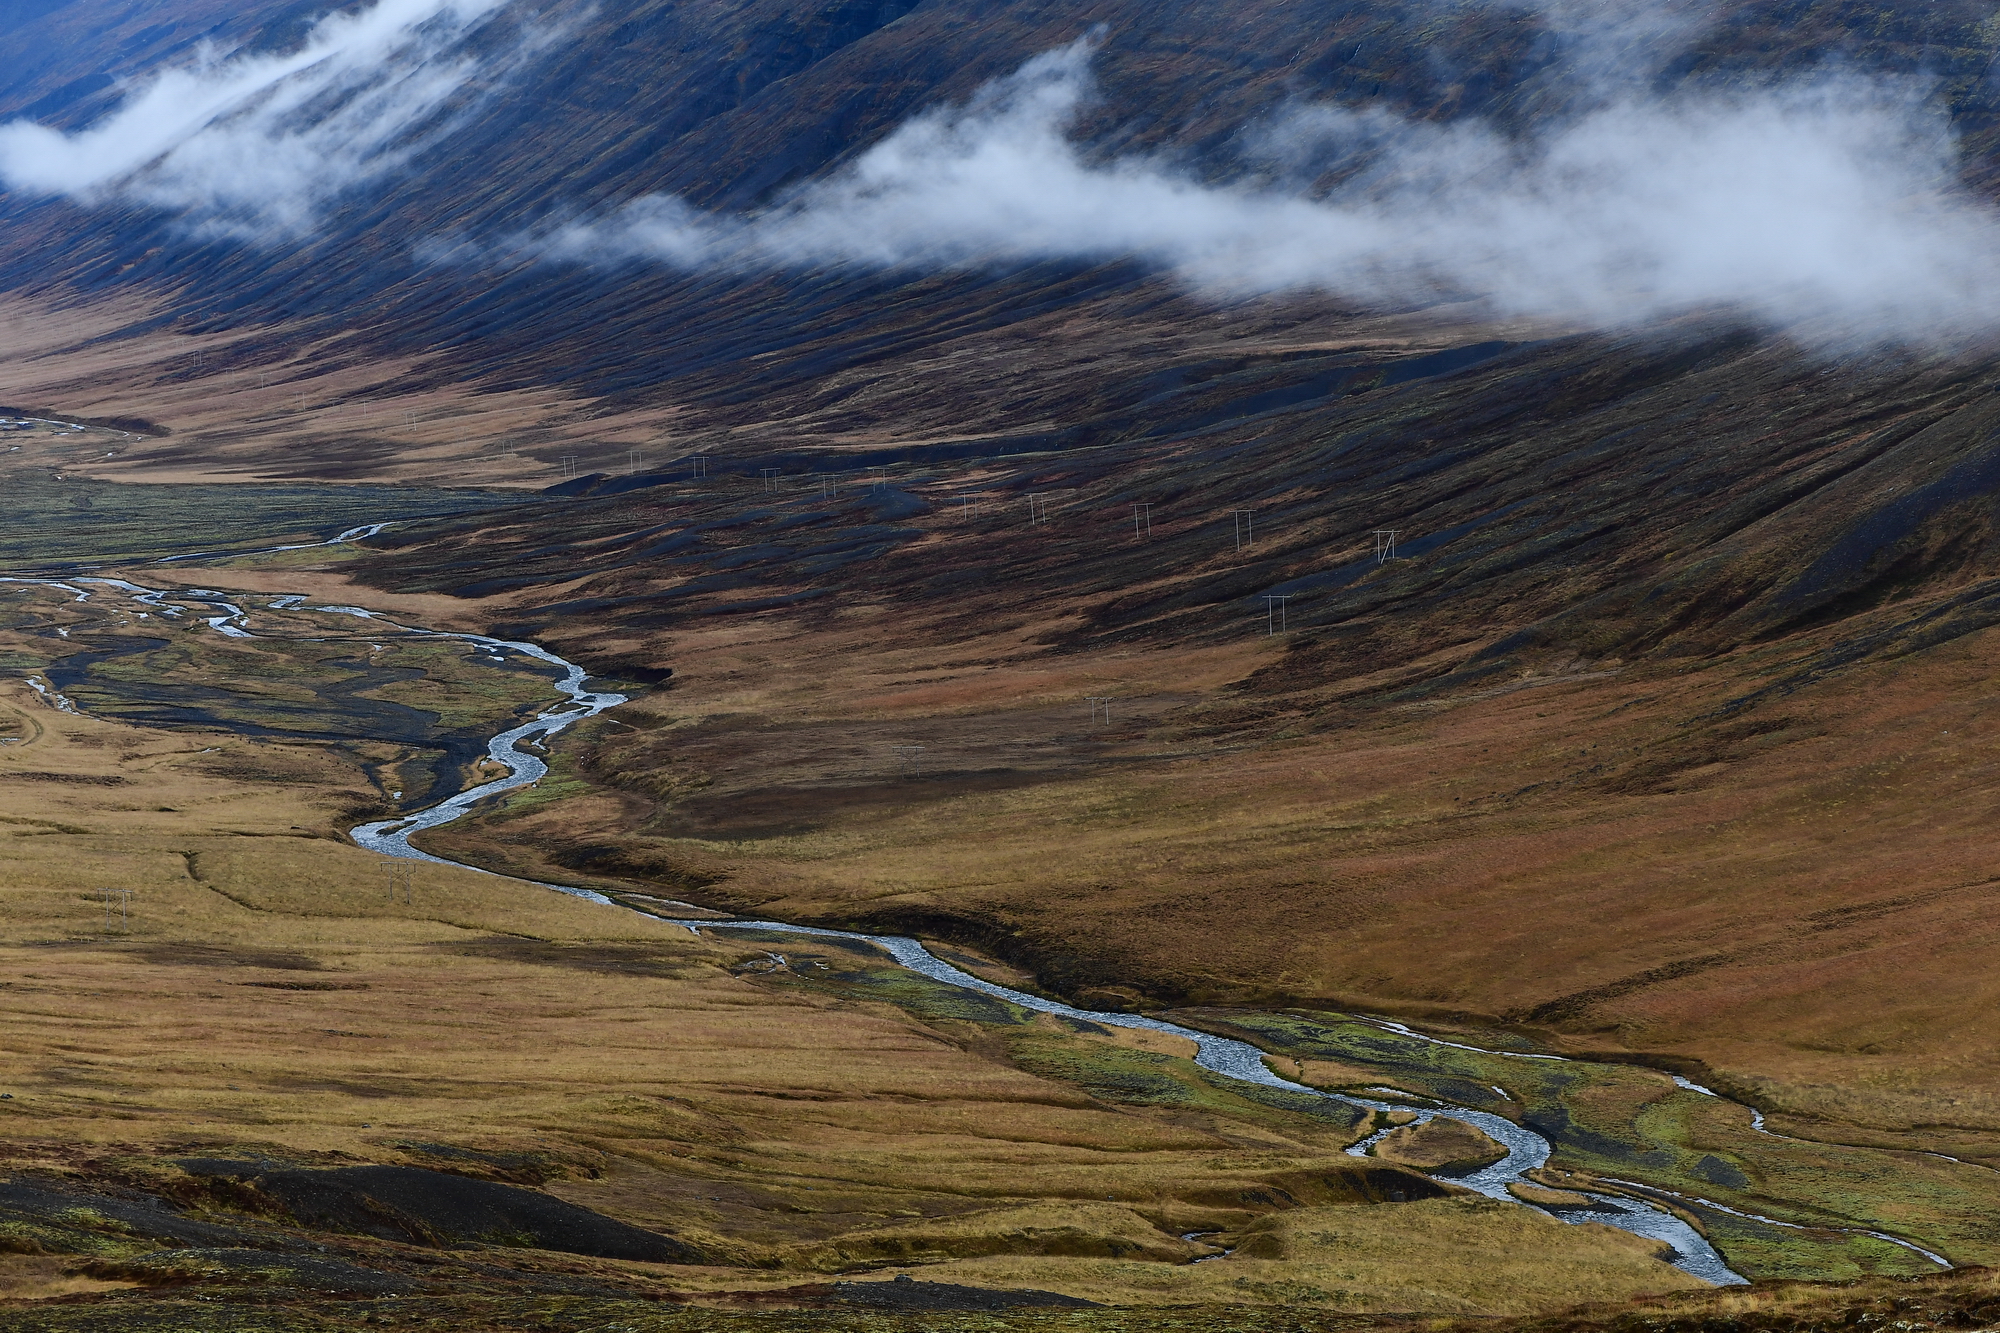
(255, 988)
(58, 515)
(798, 1111)
(1421, 862)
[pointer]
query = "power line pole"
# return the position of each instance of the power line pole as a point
(1274, 613)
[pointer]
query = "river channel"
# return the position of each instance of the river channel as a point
(1225, 1056)
(1239, 1060)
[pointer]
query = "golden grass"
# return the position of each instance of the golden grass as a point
(1968, 1298)
(1816, 893)
(267, 995)
(41, 1277)
(1441, 1256)
(1439, 1145)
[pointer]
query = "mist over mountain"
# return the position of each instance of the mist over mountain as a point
(871, 232)
(1829, 195)
(414, 170)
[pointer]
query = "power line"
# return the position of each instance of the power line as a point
(1274, 612)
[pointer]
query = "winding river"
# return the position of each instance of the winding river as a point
(1239, 1060)
(1230, 1058)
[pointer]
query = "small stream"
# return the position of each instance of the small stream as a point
(391, 837)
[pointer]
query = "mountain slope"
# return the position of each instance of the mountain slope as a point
(1616, 678)
(725, 106)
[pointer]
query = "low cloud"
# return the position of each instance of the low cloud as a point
(259, 144)
(1832, 197)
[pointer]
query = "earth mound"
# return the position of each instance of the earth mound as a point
(1440, 1147)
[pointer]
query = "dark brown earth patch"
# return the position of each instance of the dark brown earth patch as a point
(789, 811)
(62, 1217)
(432, 1208)
(1355, 1185)
(74, 779)
(633, 859)
(214, 955)
(627, 960)
(906, 1293)
(1568, 1008)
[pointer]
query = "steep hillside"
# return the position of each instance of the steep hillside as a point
(1485, 516)
(269, 349)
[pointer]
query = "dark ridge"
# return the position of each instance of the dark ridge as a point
(410, 1204)
(136, 425)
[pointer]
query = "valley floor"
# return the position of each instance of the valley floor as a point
(261, 996)
(1578, 860)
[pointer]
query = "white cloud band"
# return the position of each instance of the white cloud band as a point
(258, 144)
(1832, 197)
